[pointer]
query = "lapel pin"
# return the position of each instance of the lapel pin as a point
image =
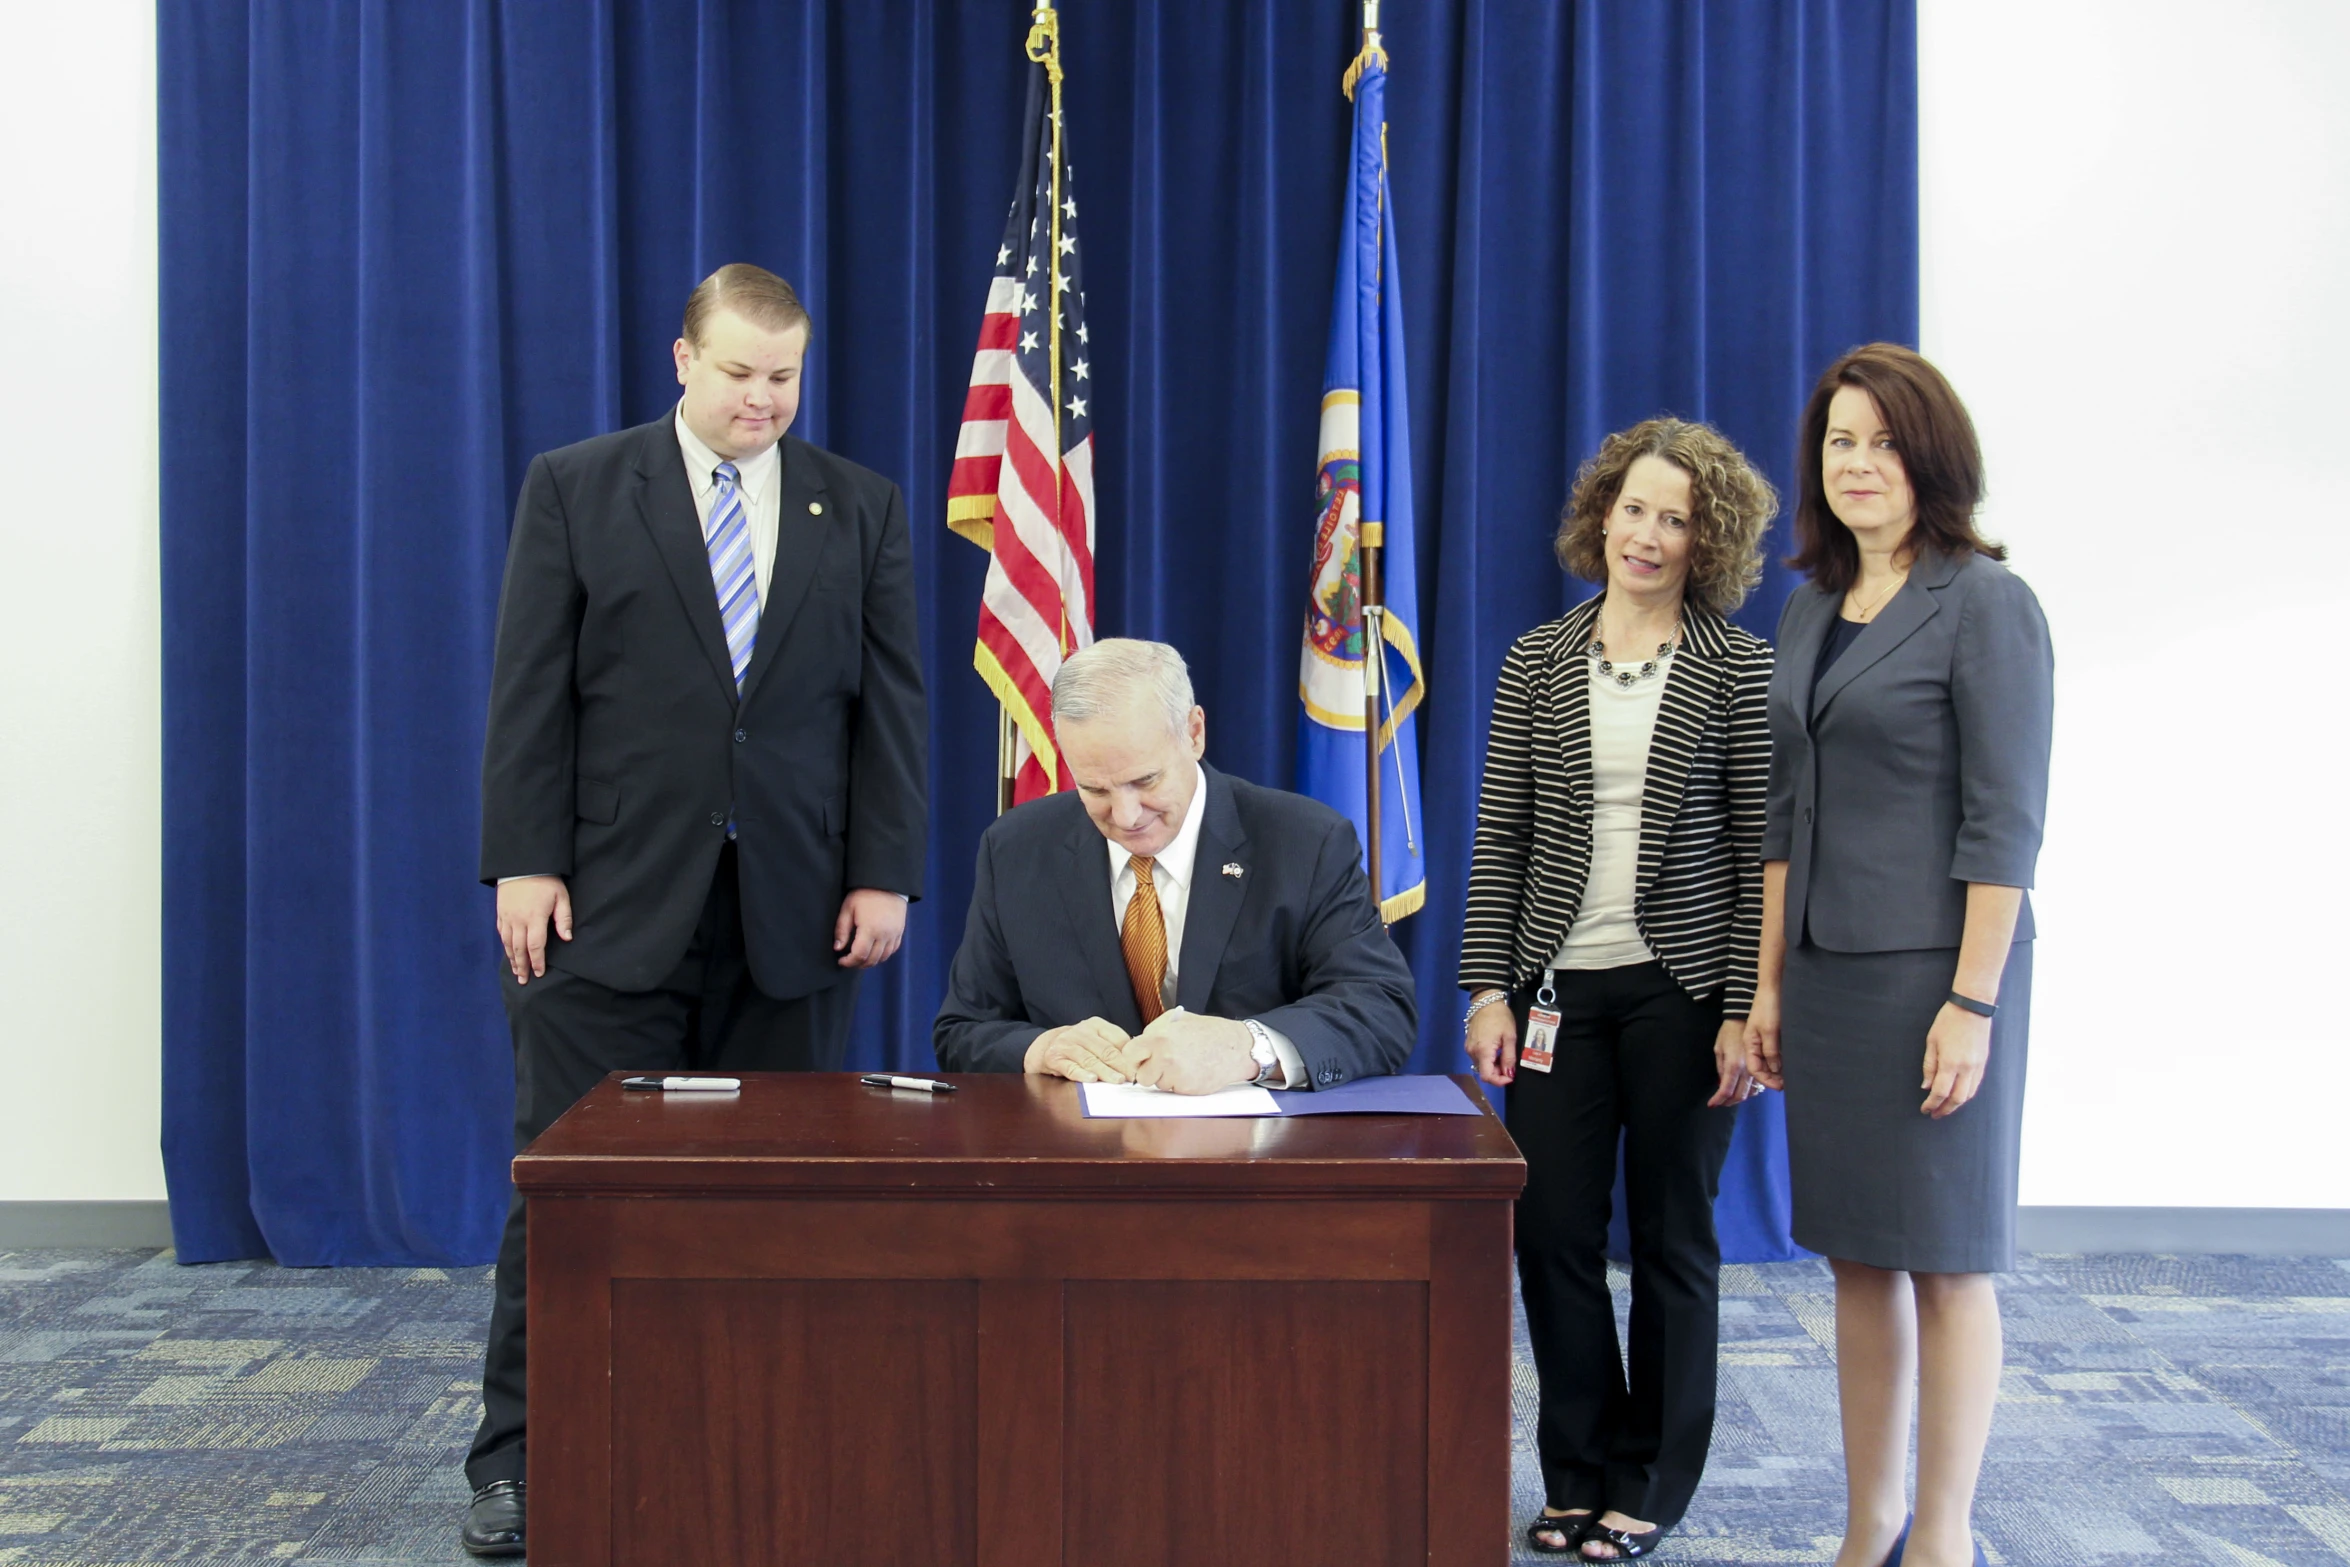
(1232, 868)
(815, 508)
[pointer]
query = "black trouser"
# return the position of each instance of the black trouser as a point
(570, 1032)
(1635, 1055)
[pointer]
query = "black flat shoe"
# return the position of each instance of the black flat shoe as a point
(1629, 1547)
(493, 1524)
(1570, 1525)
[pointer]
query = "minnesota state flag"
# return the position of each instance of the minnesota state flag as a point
(1364, 493)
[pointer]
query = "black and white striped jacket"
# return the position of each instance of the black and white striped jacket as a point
(1698, 900)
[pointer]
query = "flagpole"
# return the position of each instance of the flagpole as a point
(1371, 540)
(1374, 660)
(1007, 764)
(1043, 48)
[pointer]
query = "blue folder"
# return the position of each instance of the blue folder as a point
(1380, 1096)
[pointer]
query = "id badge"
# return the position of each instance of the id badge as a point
(1535, 1052)
(1542, 1030)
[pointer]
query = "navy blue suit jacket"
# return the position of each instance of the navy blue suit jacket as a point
(1293, 940)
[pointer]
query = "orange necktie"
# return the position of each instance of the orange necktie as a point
(1144, 939)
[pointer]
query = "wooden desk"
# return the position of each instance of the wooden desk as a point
(823, 1323)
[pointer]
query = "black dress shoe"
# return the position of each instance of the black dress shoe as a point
(493, 1524)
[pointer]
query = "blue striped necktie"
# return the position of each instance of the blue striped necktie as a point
(734, 570)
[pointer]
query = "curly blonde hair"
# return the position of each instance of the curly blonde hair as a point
(1731, 507)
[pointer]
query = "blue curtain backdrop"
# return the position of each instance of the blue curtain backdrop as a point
(408, 243)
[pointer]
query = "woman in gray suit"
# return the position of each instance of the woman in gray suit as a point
(1909, 721)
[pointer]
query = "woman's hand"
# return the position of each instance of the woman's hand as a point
(1762, 1038)
(1958, 1048)
(1493, 1044)
(1738, 1084)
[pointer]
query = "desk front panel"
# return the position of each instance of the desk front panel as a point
(1034, 1238)
(783, 1420)
(1015, 1383)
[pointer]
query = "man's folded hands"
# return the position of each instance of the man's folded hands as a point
(1093, 1051)
(1187, 1053)
(1181, 1052)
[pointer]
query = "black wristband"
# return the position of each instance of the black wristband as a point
(1970, 1004)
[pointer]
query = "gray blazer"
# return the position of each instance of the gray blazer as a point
(1921, 767)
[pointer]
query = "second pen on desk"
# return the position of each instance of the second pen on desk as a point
(922, 1085)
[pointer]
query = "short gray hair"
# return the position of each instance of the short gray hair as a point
(1098, 681)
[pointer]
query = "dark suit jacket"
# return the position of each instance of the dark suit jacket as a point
(1293, 941)
(617, 746)
(1920, 766)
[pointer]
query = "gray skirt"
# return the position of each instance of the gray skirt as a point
(1875, 1181)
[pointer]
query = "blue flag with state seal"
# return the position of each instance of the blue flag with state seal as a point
(1363, 496)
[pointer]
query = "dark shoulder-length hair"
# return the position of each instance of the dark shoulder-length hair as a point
(1935, 440)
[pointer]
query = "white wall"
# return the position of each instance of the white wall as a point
(80, 714)
(2137, 252)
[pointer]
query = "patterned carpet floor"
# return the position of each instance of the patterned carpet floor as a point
(2155, 1410)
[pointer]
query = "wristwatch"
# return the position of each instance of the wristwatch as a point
(1261, 1051)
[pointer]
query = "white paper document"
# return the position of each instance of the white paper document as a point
(1112, 1100)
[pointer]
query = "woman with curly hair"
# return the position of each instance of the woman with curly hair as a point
(1615, 905)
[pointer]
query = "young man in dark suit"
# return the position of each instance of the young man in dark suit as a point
(1167, 924)
(703, 784)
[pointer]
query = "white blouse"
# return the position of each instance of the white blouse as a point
(1623, 720)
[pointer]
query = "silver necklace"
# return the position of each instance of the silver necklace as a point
(1626, 677)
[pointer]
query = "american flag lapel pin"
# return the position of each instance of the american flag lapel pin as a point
(1232, 869)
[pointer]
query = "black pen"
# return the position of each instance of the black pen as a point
(921, 1085)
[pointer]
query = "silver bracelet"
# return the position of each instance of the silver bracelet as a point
(1479, 1005)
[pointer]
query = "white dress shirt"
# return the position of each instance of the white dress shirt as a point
(1171, 871)
(762, 487)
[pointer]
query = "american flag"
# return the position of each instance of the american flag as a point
(1022, 487)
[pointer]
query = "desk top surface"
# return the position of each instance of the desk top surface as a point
(1002, 1133)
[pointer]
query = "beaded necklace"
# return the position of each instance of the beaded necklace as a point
(1624, 677)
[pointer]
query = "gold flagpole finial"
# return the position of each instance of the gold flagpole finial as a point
(1044, 40)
